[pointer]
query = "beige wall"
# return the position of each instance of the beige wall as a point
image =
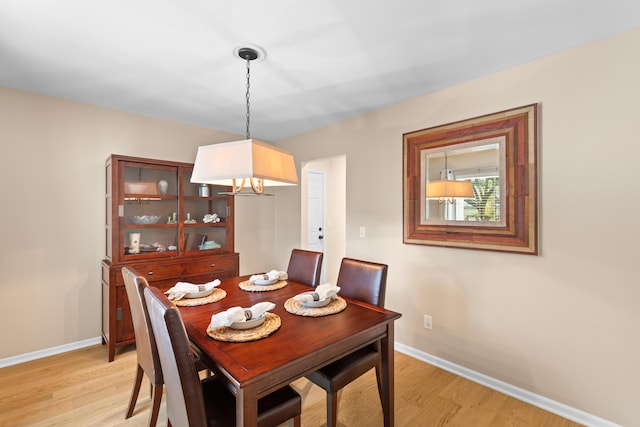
(563, 324)
(52, 215)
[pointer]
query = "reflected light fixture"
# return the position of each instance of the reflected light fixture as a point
(249, 160)
(446, 189)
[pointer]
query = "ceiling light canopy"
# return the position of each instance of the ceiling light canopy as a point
(238, 162)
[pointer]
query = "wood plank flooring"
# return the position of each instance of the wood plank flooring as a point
(81, 388)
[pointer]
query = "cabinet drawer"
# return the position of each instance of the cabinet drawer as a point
(210, 265)
(156, 272)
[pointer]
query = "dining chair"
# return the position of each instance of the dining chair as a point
(147, 354)
(146, 350)
(197, 403)
(305, 266)
(365, 281)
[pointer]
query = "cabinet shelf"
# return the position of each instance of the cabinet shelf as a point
(206, 224)
(157, 225)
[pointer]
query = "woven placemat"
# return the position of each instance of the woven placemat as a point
(335, 306)
(224, 333)
(248, 286)
(214, 296)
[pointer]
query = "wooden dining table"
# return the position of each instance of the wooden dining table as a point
(301, 345)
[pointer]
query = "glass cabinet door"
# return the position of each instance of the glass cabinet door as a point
(206, 216)
(149, 210)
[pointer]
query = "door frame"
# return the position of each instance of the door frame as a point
(334, 169)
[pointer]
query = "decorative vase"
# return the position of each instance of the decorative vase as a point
(163, 186)
(134, 243)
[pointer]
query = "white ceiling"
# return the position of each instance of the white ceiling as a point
(327, 60)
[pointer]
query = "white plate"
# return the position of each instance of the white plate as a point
(248, 324)
(315, 304)
(263, 282)
(200, 294)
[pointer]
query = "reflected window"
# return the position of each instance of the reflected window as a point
(478, 162)
(485, 206)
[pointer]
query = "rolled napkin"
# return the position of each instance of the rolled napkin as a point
(321, 293)
(272, 275)
(180, 289)
(239, 314)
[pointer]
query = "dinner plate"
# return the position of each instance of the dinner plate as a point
(315, 304)
(249, 324)
(263, 282)
(200, 294)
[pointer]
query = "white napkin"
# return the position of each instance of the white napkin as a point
(321, 293)
(239, 314)
(272, 275)
(180, 289)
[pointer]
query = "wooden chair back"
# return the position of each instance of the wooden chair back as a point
(145, 341)
(363, 280)
(185, 402)
(305, 267)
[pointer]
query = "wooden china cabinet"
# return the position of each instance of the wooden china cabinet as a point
(164, 227)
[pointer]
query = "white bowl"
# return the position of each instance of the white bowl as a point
(145, 219)
(199, 294)
(315, 304)
(263, 282)
(248, 324)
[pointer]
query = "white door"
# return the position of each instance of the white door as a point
(323, 205)
(315, 211)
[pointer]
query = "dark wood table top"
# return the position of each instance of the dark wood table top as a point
(301, 345)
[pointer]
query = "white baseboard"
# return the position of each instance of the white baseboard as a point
(21, 358)
(542, 402)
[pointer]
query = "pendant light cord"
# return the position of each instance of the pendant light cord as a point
(248, 85)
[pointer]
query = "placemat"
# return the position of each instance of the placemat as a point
(335, 306)
(248, 286)
(214, 296)
(224, 333)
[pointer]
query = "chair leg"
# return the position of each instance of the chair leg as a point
(134, 393)
(332, 409)
(379, 379)
(155, 407)
(295, 421)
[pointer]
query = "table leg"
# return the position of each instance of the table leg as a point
(246, 407)
(386, 350)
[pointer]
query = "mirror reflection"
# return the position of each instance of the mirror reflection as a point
(462, 183)
(473, 183)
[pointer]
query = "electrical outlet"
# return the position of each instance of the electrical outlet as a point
(363, 232)
(427, 321)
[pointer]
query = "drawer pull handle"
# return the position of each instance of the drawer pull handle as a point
(213, 265)
(150, 273)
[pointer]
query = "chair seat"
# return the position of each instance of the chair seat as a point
(273, 409)
(338, 374)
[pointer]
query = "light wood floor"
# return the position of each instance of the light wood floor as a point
(81, 388)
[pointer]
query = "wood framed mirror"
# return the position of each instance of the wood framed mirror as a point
(473, 183)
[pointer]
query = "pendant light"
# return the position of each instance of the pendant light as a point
(249, 160)
(448, 190)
